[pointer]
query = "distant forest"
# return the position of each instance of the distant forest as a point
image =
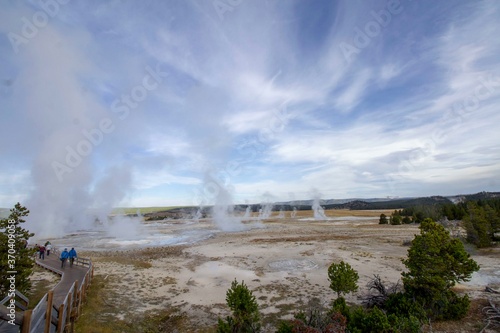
(479, 214)
(432, 203)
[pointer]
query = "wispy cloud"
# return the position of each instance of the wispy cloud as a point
(352, 95)
(267, 89)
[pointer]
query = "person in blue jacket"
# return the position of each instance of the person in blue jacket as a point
(64, 257)
(72, 256)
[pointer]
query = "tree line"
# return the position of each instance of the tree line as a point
(480, 218)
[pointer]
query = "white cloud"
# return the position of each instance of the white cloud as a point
(353, 94)
(341, 127)
(162, 177)
(389, 72)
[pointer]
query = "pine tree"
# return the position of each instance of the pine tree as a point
(343, 278)
(245, 313)
(435, 263)
(396, 219)
(383, 219)
(16, 259)
(478, 225)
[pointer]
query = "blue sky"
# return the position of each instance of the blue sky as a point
(144, 103)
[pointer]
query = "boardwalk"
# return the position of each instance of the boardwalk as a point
(69, 276)
(65, 298)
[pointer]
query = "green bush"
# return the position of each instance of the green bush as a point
(245, 313)
(401, 319)
(316, 319)
(285, 327)
(448, 306)
(368, 321)
(481, 223)
(376, 321)
(336, 324)
(435, 263)
(403, 305)
(406, 220)
(396, 220)
(339, 305)
(343, 278)
(408, 324)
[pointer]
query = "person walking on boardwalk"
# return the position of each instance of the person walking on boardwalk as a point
(48, 247)
(64, 257)
(72, 256)
(41, 250)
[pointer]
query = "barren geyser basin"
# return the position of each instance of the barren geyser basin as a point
(188, 265)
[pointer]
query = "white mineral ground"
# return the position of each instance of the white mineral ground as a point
(283, 261)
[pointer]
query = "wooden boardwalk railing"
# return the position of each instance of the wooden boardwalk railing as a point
(59, 308)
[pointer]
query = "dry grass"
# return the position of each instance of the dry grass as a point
(101, 310)
(299, 214)
(138, 264)
(42, 282)
(301, 239)
(141, 210)
(169, 280)
(493, 252)
(363, 254)
(161, 252)
(360, 213)
(146, 253)
(329, 213)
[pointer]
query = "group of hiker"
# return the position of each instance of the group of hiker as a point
(42, 249)
(65, 255)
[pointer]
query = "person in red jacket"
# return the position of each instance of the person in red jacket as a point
(41, 250)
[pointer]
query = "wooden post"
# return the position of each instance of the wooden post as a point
(48, 311)
(75, 295)
(85, 285)
(26, 326)
(78, 303)
(70, 309)
(60, 320)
